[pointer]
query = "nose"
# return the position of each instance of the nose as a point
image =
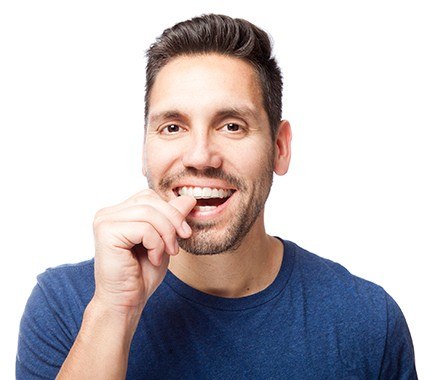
(201, 152)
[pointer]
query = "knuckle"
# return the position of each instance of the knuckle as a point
(149, 235)
(172, 230)
(142, 199)
(101, 225)
(101, 216)
(147, 229)
(100, 212)
(102, 229)
(145, 209)
(156, 245)
(97, 220)
(177, 217)
(169, 230)
(161, 246)
(147, 193)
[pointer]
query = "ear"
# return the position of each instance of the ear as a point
(283, 148)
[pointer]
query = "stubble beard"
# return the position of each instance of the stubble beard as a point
(205, 240)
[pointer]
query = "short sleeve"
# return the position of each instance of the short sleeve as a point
(52, 319)
(43, 342)
(398, 361)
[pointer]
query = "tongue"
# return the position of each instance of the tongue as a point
(211, 201)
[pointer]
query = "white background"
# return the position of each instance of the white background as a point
(357, 89)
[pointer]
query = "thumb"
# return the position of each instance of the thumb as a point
(184, 204)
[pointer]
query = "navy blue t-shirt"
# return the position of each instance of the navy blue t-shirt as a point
(315, 321)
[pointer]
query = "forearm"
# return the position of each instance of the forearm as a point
(102, 346)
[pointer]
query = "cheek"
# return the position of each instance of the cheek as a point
(155, 169)
(159, 158)
(254, 161)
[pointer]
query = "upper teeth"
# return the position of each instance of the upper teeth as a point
(204, 192)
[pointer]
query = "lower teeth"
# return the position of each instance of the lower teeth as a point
(205, 208)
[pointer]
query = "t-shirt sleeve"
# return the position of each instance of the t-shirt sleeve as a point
(44, 338)
(398, 361)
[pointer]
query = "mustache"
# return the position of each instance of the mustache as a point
(166, 183)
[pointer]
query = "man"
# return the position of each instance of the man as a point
(185, 282)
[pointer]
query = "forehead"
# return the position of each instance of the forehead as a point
(205, 83)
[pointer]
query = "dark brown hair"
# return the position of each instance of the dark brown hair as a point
(224, 35)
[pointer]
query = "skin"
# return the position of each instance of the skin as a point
(202, 140)
(136, 241)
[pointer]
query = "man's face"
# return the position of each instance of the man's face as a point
(208, 136)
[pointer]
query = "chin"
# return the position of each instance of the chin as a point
(205, 241)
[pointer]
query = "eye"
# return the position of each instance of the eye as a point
(232, 127)
(171, 129)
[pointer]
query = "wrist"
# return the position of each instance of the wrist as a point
(102, 347)
(121, 321)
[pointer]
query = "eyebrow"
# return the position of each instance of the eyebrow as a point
(233, 111)
(239, 112)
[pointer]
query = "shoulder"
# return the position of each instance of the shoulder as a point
(78, 274)
(52, 318)
(61, 294)
(367, 323)
(68, 283)
(332, 279)
(335, 297)
(65, 290)
(366, 320)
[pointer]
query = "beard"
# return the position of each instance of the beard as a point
(205, 240)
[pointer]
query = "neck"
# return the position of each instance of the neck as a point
(252, 267)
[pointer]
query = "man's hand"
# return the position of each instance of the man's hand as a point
(133, 242)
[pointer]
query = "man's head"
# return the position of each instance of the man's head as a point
(226, 36)
(209, 134)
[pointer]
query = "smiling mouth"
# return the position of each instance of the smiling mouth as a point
(208, 198)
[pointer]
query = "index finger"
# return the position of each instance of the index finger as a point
(184, 204)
